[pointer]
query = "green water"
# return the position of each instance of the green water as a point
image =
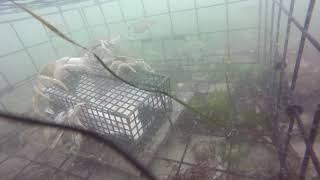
(85, 22)
(178, 38)
(217, 57)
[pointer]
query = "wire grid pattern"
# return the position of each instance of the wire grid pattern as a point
(61, 13)
(9, 7)
(112, 108)
(263, 51)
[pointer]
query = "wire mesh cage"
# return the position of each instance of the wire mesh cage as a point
(113, 108)
(204, 56)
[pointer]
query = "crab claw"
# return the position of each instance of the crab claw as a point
(47, 82)
(63, 60)
(76, 67)
(104, 44)
(141, 65)
(114, 65)
(77, 107)
(124, 69)
(114, 40)
(39, 91)
(62, 72)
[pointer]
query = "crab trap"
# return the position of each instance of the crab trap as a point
(113, 108)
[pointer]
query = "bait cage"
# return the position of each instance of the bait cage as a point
(113, 108)
(269, 51)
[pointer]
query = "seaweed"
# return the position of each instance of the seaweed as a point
(215, 105)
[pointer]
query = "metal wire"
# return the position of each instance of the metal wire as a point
(291, 19)
(311, 139)
(259, 31)
(302, 43)
(63, 36)
(266, 14)
(294, 112)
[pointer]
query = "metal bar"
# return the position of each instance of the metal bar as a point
(197, 16)
(309, 148)
(143, 8)
(78, 30)
(278, 31)
(19, 50)
(283, 60)
(29, 17)
(265, 30)
(166, 115)
(163, 50)
(161, 39)
(182, 157)
(55, 50)
(311, 38)
(38, 44)
(285, 50)
(277, 57)
(104, 18)
(4, 107)
(213, 168)
(186, 148)
(85, 23)
(37, 4)
(228, 155)
(5, 78)
(105, 2)
(24, 48)
(312, 137)
(277, 142)
(66, 25)
(227, 29)
(145, 16)
(283, 174)
(302, 43)
(259, 31)
(63, 19)
(178, 62)
(149, 31)
(227, 78)
(17, 84)
(286, 43)
(6, 89)
(202, 33)
(271, 30)
(170, 17)
(123, 16)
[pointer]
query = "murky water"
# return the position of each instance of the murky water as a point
(201, 83)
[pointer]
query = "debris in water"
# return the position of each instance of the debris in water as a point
(141, 26)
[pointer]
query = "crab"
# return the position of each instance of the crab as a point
(105, 50)
(69, 117)
(53, 75)
(124, 66)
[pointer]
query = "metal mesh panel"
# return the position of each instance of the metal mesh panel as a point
(113, 108)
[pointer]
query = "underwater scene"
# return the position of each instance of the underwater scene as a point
(159, 89)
